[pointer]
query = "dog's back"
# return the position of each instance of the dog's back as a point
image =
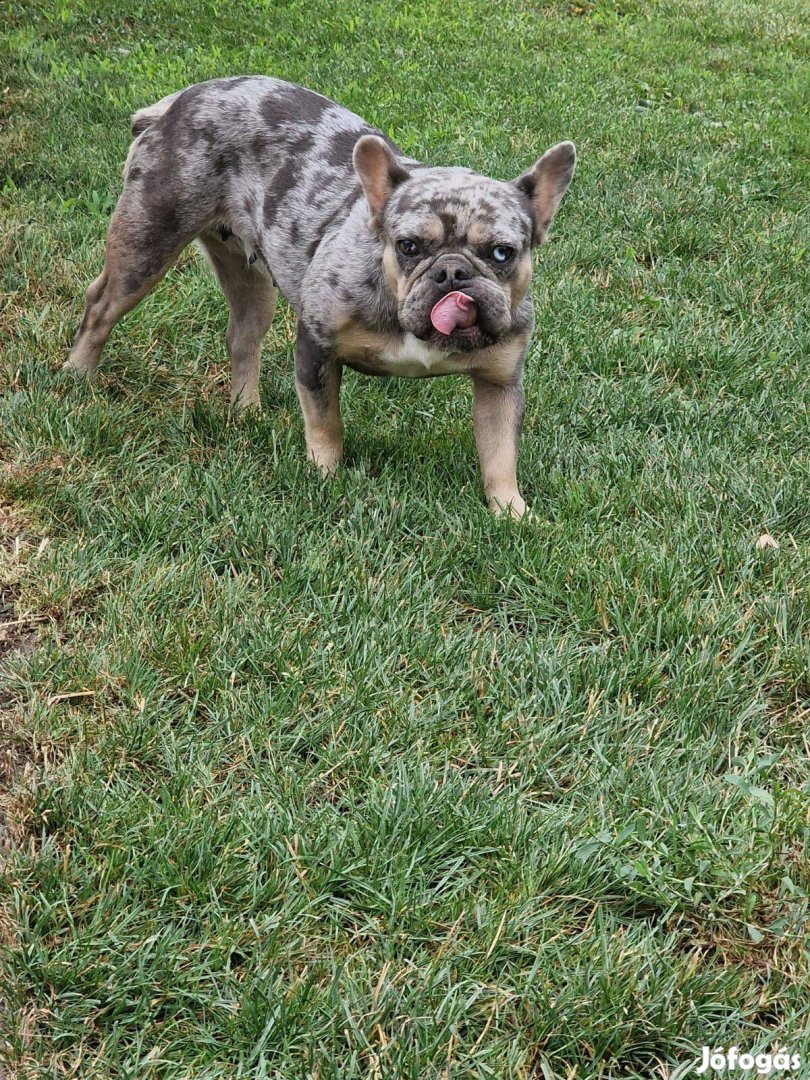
(256, 158)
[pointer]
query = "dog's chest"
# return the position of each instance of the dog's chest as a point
(412, 359)
(405, 356)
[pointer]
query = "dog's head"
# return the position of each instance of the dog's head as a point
(457, 246)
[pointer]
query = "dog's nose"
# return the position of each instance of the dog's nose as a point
(450, 270)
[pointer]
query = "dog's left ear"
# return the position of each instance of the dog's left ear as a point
(379, 172)
(546, 183)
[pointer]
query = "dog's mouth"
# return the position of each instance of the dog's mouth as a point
(455, 311)
(473, 316)
(455, 323)
(467, 340)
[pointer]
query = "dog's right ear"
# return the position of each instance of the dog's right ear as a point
(379, 172)
(546, 183)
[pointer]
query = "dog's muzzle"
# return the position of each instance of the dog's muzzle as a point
(452, 306)
(451, 271)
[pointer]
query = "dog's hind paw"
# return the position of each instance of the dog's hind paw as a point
(76, 364)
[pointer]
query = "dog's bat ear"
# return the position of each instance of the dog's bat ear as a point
(546, 183)
(379, 172)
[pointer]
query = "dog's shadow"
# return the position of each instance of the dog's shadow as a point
(394, 455)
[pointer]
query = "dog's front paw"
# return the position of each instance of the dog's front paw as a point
(513, 506)
(327, 460)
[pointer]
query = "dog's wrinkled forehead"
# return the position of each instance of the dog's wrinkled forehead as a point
(456, 205)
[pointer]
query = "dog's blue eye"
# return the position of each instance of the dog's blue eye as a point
(409, 248)
(502, 253)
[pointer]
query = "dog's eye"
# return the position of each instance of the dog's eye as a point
(502, 254)
(408, 248)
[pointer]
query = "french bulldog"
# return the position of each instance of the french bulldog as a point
(393, 267)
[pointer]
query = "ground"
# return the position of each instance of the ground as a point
(350, 778)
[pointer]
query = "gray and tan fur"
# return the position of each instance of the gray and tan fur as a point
(284, 189)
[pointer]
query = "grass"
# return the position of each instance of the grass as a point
(353, 780)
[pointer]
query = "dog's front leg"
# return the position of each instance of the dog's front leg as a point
(498, 420)
(317, 381)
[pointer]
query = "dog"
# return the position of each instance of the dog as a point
(393, 267)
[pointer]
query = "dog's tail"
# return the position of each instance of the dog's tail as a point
(144, 118)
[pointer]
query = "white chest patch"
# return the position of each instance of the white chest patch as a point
(414, 359)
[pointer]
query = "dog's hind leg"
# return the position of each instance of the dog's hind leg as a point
(138, 255)
(251, 297)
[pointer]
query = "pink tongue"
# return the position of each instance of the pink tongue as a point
(456, 310)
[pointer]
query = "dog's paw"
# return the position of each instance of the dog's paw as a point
(329, 472)
(246, 404)
(514, 507)
(76, 364)
(327, 462)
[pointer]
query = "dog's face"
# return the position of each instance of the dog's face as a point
(457, 246)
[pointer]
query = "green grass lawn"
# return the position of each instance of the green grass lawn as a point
(352, 779)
